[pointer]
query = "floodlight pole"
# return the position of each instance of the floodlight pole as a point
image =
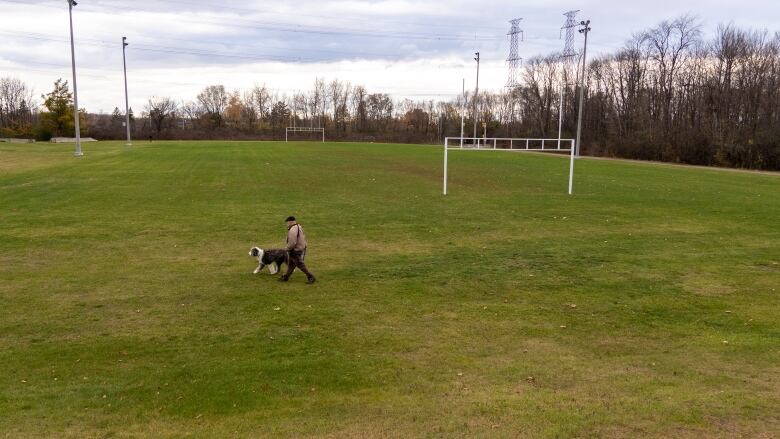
(462, 111)
(476, 97)
(560, 105)
(127, 101)
(585, 29)
(78, 153)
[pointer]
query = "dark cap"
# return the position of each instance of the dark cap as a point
(290, 218)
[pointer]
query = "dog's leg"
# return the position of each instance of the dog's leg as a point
(273, 268)
(259, 267)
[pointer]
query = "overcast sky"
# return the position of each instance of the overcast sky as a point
(409, 48)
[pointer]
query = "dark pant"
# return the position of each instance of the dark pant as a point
(296, 261)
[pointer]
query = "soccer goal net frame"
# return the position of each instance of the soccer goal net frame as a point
(511, 145)
(289, 130)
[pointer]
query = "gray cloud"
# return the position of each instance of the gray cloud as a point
(255, 41)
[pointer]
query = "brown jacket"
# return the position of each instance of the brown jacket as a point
(296, 239)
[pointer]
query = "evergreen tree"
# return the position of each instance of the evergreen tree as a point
(58, 119)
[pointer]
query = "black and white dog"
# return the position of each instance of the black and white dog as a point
(271, 258)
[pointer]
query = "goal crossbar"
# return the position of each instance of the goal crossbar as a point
(289, 130)
(510, 144)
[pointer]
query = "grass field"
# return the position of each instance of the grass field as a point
(646, 305)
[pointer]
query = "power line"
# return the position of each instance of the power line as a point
(187, 50)
(318, 30)
(162, 49)
(328, 17)
(103, 43)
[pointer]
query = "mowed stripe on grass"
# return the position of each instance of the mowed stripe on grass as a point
(644, 305)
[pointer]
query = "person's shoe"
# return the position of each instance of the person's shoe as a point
(284, 279)
(312, 280)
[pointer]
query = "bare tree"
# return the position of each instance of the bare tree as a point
(670, 43)
(160, 111)
(214, 100)
(16, 106)
(260, 101)
(539, 76)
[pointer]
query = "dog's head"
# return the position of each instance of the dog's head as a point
(256, 252)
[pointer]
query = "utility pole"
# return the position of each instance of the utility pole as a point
(78, 153)
(127, 101)
(476, 97)
(566, 57)
(585, 29)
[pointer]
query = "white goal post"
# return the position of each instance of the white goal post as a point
(289, 130)
(507, 144)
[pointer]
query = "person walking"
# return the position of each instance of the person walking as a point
(296, 248)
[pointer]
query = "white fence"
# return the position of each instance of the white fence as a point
(289, 130)
(499, 144)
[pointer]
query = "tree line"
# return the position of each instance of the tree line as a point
(668, 94)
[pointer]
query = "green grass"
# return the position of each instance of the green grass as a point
(646, 305)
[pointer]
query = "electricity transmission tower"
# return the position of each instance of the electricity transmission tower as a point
(569, 52)
(514, 60)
